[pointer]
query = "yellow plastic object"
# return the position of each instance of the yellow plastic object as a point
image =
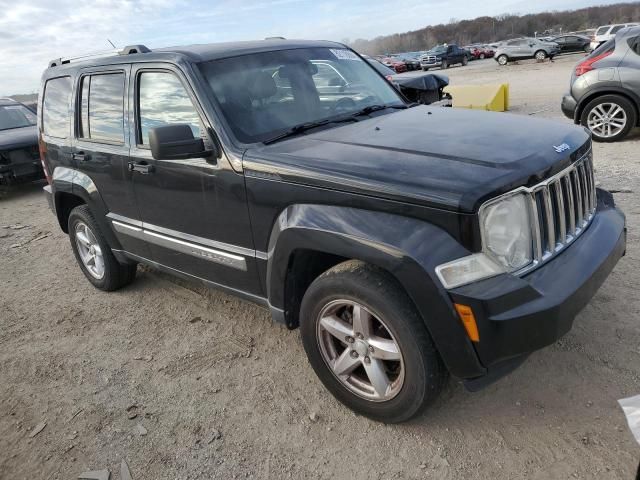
(480, 97)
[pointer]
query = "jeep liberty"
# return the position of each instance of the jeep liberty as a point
(403, 251)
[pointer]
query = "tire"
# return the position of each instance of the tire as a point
(465, 60)
(85, 231)
(425, 69)
(412, 382)
(482, 56)
(540, 55)
(621, 113)
(587, 48)
(503, 60)
(444, 65)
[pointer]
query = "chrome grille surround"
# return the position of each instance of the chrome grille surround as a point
(560, 207)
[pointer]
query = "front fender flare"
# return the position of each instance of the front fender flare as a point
(409, 249)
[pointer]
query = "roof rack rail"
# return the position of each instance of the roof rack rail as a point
(128, 50)
(275, 38)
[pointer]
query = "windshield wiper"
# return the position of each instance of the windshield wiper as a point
(303, 127)
(374, 108)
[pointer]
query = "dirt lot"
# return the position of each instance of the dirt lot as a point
(221, 392)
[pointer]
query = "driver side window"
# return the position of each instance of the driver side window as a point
(163, 100)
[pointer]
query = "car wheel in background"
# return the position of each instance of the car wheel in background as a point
(609, 118)
(502, 60)
(465, 60)
(482, 56)
(445, 64)
(587, 48)
(425, 69)
(540, 55)
(93, 253)
(368, 345)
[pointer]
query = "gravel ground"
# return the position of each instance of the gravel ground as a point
(218, 391)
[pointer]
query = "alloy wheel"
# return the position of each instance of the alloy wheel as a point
(607, 120)
(360, 350)
(541, 55)
(89, 250)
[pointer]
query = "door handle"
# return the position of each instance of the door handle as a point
(81, 156)
(142, 167)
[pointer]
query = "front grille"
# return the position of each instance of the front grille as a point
(562, 207)
(429, 59)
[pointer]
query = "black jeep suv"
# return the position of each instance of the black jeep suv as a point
(402, 251)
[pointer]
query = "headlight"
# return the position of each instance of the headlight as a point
(505, 225)
(507, 244)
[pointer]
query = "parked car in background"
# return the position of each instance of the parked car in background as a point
(573, 43)
(424, 89)
(605, 88)
(444, 56)
(412, 63)
(481, 52)
(395, 64)
(19, 155)
(607, 32)
(525, 48)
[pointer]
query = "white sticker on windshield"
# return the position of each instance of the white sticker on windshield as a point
(343, 54)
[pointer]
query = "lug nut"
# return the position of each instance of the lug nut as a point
(349, 339)
(359, 335)
(370, 348)
(354, 354)
(367, 360)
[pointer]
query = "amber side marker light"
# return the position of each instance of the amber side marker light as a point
(469, 321)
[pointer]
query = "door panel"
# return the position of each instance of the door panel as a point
(194, 211)
(101, 148)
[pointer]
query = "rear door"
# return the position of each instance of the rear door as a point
(101, 149)
(194, 211)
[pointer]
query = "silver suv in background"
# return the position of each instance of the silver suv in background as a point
(524, 48)
(605, 88)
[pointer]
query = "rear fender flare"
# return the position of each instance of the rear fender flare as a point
(407, 248)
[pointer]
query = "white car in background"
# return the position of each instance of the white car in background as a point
(607, 32)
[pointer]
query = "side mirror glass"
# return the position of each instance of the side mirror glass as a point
(175, 142)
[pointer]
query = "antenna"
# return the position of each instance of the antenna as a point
(111, 43)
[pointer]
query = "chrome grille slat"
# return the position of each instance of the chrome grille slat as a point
(561, 209)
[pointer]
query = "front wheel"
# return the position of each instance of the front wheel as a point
(445, 64)
(540, 55)
(368, 345)
(502, 60)
(425, 69)
(465, 60)
(93, 253)
(610, 118)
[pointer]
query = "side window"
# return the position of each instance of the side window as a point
(163, 100)
(327, 76)
(616, 29)
(102, 108)
(55, 107)
(634, 44)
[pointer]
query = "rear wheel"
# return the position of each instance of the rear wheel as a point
(368, 345)
(540, 55)
(465, 60)
(482, 56)
(93, 253)
(502, 60)
(610, 118)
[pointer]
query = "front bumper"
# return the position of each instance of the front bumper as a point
(49, 194)
(430, 64)
(569, 106)
(516, 316)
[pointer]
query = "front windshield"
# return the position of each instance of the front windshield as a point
(16, 116)
(441, 49)
(264, 94)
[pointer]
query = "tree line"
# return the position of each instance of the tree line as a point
(502, 27)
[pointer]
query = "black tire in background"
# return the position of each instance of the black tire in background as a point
(503, 60)
(603, 102)
(375, 289)
(116, 275)
(465, 60)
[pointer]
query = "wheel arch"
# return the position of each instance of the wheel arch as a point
(307, 240)
(611, 90)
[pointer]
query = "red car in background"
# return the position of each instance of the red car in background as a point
(393, 63)
(482, 51)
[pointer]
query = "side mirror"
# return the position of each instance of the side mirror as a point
(176, 142)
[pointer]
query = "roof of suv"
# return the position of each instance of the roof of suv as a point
(196, 53)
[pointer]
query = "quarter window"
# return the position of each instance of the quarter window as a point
(55, 107)
(163, 100)
(102, 108)
(634, 44)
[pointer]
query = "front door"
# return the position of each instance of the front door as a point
(194, 211)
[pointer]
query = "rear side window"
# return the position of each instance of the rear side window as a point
(616, 29)
(102, 108)
(55, 107)
(602, 30)
(163, 100)
(634, 44)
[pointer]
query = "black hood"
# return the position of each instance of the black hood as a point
(441, 157)
(14, 138)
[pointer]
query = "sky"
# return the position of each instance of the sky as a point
(33, 32)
